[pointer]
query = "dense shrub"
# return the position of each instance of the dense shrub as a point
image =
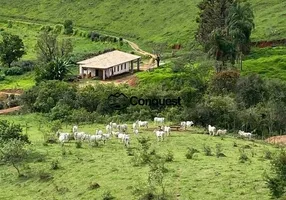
(2, 77)
(11, 131)
(26, 65)
(13, 71)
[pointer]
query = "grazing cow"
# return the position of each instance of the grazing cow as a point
(183, 125)
(245, 134)
(212, 130)
(75, 128)
(136, 131)
(107, 135)
(126, 140)
(159, 135)
(134, 125)
(159, 120)
(79, 135)
(143, 124)
(167, 130)
(85, 137)
(113, 125)
(221, 132)
(108, 128)
(95, 138)
(63, 137)
(189, 123)
(122, 127)
(98, 132)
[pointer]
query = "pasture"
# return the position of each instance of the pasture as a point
(147, 21)
(203, 177)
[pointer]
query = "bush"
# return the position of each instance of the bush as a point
(9, 25)
(26, 65)
(268, 154)
(11, 131)
(219, 151)
(45, 176)
(55, 165)
(191, 152)
(13, 71)
(243, 157)
(58, 29)
(2, 77)
(207, 150)
(169, 157)
(107, 196)
(93, 186)
(78, 144)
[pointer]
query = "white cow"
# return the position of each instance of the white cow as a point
(183, 125)
(108, 128)
(134, 125)
(212, 130)
(244, 134)
(98, 132)
(78, 135)
(122, 127)
(143, 124)
(189, 123)
(63, 137)
(126, 140)
(159, 135)
(221, 132)
(167, 130)
(159, 120)
(113, 125)
(74, 128)
(136, 131)
(96, 138)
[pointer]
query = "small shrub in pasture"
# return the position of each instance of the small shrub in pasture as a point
(78, 144)
(246, 146)
(219, 151)
(107, 196)
(207, 150)
(61, 190)
(55, 165)
(93, 185)
(234, 144)
(9, 24)
(129, 151)
(58, 29)
(243, 157)
(169, 157)
(252, 153)
(64, 152)
(190, 153)
(276, 183)
(268, 155)
(45, 176)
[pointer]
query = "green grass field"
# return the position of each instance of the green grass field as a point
(267, 62)
(29, 33)
(203, 177)
(148, 21)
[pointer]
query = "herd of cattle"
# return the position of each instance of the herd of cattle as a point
(120, 131)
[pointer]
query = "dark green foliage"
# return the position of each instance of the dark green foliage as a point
(57, 69)
(107, 196)
(93, 186)
(78, 144)
(219, 151)
(13, 151)
(2, 77)
(25, 65)
(11, 131)
(169, 157)
(268, 155)
(277, 182)
(11, 48)
(191, 152)
(55, 165)
(207, 150)
(243, 157)
(68, 27)
(12, 71)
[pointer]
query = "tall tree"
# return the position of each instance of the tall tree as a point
(48, 47)
(11, 48)
(240, 23)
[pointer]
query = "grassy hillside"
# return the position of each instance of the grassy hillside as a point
(153, 20)
(268, 62)
(203, 177)
(29, 33)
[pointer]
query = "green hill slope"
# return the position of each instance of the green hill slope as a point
(153, 20)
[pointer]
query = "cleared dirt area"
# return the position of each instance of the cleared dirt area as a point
(9, 110)
(281, 139)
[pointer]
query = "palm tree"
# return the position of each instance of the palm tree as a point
(239, 26)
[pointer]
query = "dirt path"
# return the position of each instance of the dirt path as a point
(281, 139)
(9, 110)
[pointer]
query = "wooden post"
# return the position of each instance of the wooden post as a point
(103, 71)
(132, 66)
(138, 64)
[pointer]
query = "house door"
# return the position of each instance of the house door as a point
(96, 72)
